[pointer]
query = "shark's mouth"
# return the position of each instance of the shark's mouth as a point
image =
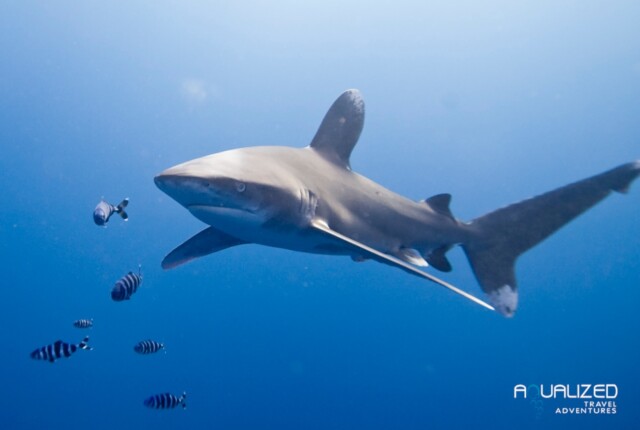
(219, 209)
(216, 215)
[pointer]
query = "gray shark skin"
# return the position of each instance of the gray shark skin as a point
(309, 200)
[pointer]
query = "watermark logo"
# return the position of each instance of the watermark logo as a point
(576, 399)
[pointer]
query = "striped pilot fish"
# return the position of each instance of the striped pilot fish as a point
(148, 347)
(104, 210)
(59, 349)
(83, 323)
(126, 286)
(166, 401)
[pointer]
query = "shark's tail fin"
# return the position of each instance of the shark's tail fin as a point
(501, 236)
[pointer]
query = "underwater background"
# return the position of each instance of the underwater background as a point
(492, 102)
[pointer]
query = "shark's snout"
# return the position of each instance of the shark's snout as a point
(175, 179)
(193, 184)
(180, 185)
(184, 169)
(167, 182)
(159, 180)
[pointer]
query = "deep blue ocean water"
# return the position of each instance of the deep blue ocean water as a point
(491, 102)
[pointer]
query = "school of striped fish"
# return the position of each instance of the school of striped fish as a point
(123, 289)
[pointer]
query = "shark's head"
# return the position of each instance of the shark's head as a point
(261, 193)
(234, 190)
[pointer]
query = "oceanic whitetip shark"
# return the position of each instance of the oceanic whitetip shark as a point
(308, 199)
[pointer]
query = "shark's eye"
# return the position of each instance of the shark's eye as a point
(240, 186)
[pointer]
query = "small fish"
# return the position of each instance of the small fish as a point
(148, 347)
(59, 349)
(104, 210)
(126, 286)
(166, 401)
(83, 323)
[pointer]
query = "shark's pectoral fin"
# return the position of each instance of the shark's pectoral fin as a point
(206, 242)
(365, 250)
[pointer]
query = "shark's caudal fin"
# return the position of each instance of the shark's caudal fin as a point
(501, 236)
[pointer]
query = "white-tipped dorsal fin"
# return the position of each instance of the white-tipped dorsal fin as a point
(340, 129)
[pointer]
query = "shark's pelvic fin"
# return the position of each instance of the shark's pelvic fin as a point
(363, 249)
(411, 256)
(501, 236)
(340, 129)
(206, 242)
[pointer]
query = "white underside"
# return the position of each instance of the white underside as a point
(250, 227)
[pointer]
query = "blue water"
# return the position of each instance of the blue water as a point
(492, 103)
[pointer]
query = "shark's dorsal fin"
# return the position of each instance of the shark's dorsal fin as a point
(440, 203)
(340, 129)
(321, 225)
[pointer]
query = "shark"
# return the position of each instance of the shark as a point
(308, 199)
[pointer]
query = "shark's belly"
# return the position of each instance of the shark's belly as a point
(274, 232)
